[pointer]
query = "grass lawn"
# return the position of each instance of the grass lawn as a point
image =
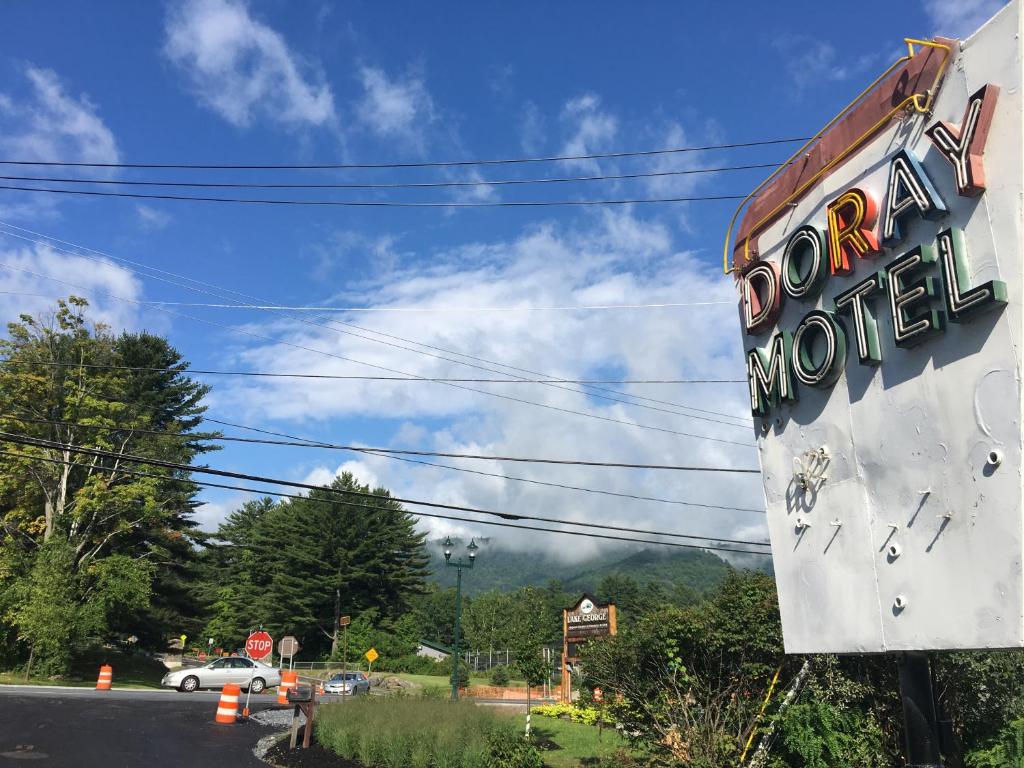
(130, 671)
(578, 745)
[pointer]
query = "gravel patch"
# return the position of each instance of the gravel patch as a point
(263, 745)
(276, 718)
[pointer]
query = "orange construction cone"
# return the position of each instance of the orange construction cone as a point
(289, 679)
(227, 707)
(105, 679)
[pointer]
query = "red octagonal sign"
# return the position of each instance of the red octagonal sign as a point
(259, 645)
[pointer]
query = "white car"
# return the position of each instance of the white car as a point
(229, 669)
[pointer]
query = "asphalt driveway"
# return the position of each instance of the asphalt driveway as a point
(111, 729)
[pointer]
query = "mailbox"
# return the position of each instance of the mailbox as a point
(300, 694)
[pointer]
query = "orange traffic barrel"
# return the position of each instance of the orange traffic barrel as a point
(289, 679)
(105, 679)
(227, 707)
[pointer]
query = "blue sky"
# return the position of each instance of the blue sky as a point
(265, 81)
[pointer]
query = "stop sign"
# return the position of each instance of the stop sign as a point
(259, 645)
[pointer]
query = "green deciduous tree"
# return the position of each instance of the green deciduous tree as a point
(689, 683)
(89, 550)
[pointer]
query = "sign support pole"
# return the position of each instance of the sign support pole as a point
(920, 724)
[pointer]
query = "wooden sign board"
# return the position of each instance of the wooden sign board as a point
(581, 623)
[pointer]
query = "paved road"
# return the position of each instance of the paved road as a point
(83, 728)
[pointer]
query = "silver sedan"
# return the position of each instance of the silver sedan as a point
(351, 683)
(230, 669)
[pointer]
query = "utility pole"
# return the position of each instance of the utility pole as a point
(337, 616)
(344, 660)
(458, 565)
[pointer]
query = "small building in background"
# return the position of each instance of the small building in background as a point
(435, 651)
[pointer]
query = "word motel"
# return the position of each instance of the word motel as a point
(857, 228)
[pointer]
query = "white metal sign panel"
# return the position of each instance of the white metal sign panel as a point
(885, 376)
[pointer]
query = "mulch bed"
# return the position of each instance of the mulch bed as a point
(314, 757)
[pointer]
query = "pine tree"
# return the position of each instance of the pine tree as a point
(285, 562)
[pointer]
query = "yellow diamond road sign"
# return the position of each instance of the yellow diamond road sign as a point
(371, 655)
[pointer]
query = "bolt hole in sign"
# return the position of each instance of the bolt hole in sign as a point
(259, 645)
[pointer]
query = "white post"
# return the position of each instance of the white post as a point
(248, 691)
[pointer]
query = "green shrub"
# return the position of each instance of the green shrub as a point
(1006, 752)
(415, 665)
(818, 734)
(422, 733)
(499, 675)
(436, 692)
(510, 749)
(575, 712)
(462, 677)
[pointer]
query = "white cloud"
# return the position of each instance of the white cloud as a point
(152, 218)
(53, 125)
(610, 258)
(960, 18)
(377, 254)
(810, 62)
(395, 108)
(24, 293)
(359, 469)
(241, 68)
(211, 514)
(48, 123)
(593, 128)
(532, 129)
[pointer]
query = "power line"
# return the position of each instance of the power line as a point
(34, 442)
(391, 185)
(590, 307)
(308, 443)
(262, 337)
(218, 291)
(373, 203)
(431, 164)
(525, 460)
(381, 453)
(332, 323)
(335, 502)
(208, 372)
(563, 486)
(311, 443)
(416, 310)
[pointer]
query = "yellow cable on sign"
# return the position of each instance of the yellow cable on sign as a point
(760, 714)
(921, 102)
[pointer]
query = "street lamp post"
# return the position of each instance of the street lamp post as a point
(458, 565)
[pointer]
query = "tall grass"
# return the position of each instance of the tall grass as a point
(406, 732)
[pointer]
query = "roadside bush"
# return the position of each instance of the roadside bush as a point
(1006, 752)
(415, 665)
(575, 713)
(462, 678)
(819, 734)
(422, 733)
(499, 675)
(510, 749)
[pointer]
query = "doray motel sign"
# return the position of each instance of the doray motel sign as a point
(880, 280)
